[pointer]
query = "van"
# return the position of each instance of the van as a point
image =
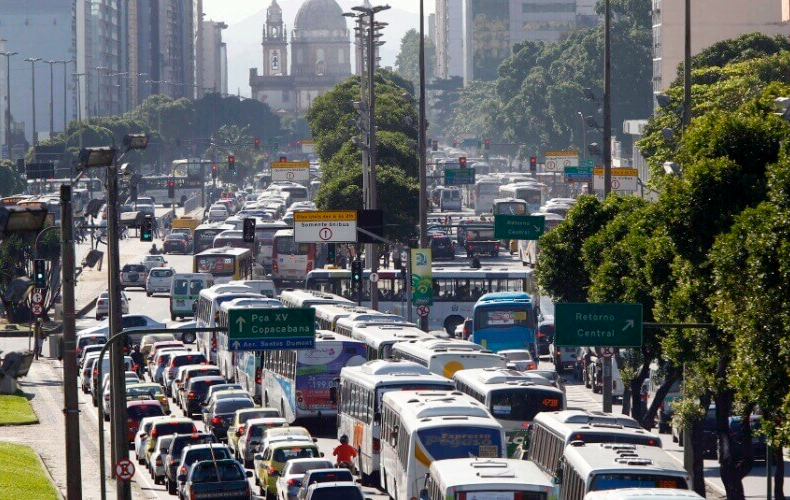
(159, 280)
(184, 292)
(264, 287)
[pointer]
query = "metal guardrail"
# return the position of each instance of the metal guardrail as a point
(192, 204)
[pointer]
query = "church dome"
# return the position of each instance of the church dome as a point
(320, 15)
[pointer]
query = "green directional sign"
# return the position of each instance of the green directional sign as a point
(518, 227)
(459, 176)
(253, 329)
(604, 325)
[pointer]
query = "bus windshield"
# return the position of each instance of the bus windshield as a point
(512, 208)
(443, 443)
(504, 317)
(217, 265)
(642, 480)
(287, 246)
(204, 238)
(522, 403)
(532, 196)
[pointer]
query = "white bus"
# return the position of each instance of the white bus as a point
(531, 192)
(207, 313)
(291, 261)
(455, 290)
(419, 427)
(486, 190)
(450, 200)
(588, 467)
(307, 298)
(446, 356)
(359, 408)
(643, 494)
(327, 315)
(528, 250)
(303, 383)
(551, 432)
(486, 479)
(512, 397)
(227, 359)
(379, 337)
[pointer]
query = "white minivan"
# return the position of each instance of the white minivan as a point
(159, 280)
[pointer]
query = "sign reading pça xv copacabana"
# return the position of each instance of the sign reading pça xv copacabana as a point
(271, 328)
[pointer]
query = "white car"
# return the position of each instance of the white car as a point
(290, 479)
(131, 378)
(152, 261)
(141, 438)
(157, 465)
(103, 305)
(159, 280)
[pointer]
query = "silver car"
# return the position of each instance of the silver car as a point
(159, 280)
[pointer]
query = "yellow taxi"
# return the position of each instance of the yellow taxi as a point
(144, 391)
(270, 463)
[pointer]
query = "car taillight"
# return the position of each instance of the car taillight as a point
(79, 350)
(559, 353)
(614, 384)
(274, 266)
(309, 266)
(293, 482)
(182, 470)
(159, 460)
(171, 460)
(270, 470)
(376, 445)
(96, 371)
(153, 433)
(241, 429)
(191, 395)
(162, 362)
(217, 420)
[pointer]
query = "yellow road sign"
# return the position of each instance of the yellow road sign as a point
(622, 172)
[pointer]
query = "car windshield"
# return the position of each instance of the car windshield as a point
(183, 441)
(161, 273)
(248, 415)
(285, 454)
(189, 359)
(151, 392)
(175, 236)
(330, 476)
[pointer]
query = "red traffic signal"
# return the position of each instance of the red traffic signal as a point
(256, 143)
(283, 159)
(455, 142)
(435, 145)
(231, 159)
(462, 161)
(533, 164)
(171, 184)
(487, 144)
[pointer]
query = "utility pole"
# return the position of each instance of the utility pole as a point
(32, 61)
(69, 353)
(421, 146)
(51, 98)
(607, 167)
(8, 100)
(65, 95)
(372, 249)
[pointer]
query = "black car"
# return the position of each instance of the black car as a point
(220, 413)
(442, 247)
(175, 243)
(217, 479)
(196, 390)
(173, 458)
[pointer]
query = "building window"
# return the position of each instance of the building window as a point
(529, 8)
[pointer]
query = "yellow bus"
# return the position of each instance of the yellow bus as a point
(225, 264)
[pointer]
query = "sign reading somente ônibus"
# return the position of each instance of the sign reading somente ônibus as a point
(271, 328)
(591, 324)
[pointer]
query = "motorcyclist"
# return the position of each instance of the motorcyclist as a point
(154, 250)
(138, 359)
(345, 453)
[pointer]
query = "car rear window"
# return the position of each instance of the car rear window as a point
(338, 493)
(201, 386)
(128, 268)
(213, 472)
(177, 428)
(138, 412)
(189, 359)
(302, 467)
(181, 442)
(330, 476)
(161, 273)
(231, 405)
(202, 454)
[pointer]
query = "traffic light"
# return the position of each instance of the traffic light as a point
(256, 143)
(232, 163)
(40, 273)
(147, 229)
(276, 146)
(356, 272)
(533, 164)
(331, 253)
(248, 231)
(283, 159)
(487, 144)
(455, 142)
(462, 161)
(214, 171)
(435, 145)
(171, 189)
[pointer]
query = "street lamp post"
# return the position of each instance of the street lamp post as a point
(423, 197)
(79, 104)
(51, 97)
(65, 95)
(8, 100)
(98, 89)
(32, 61)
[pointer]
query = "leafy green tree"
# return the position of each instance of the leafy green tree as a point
(743, 48)
(10, 181)
(407, 62)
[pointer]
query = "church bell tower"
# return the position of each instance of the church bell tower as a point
(275, 45)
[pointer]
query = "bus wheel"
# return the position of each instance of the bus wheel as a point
(451, 322)
(188, 338)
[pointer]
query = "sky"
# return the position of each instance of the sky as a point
(245, 20)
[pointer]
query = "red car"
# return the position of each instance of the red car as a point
(175, 243)
(136, 411)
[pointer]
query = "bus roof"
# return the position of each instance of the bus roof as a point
(430, 345)
(568, 423)
(619, 457)
(390, 372)
(504, 297)
(306, 298)
(642, 494)
(437, 272)
(485, 379)
(421, 405)
(488, 474)
(234, 251)
(250, 303)
(375, 335)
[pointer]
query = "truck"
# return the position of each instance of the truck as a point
(479, 240)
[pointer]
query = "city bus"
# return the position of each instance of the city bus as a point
(450, 200)
(485, 191)
(359, 409)
(207, 313)
(446, 356)
(588, 467)
(327, 315)
(227, 359)
(204, 234)
(264, 238)
(505, 320)
(510, 206)
(292, 261)
(224, 264)
(156, 187)
(473, 479)
(455, 290)
(232, 238)
(528, 250)
(512, 397)
(380, 335)
(303, 383)
(531, 192)
(309, 298)
(419, 427)
(551, 432)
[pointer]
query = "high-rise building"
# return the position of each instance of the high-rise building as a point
(33, 29)
(213, 63)
(711, 21)
(449, 38)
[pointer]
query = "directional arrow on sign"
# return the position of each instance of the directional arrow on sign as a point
(240, 322)
(236, 344)
(628, 324)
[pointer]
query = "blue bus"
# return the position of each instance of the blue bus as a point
(505, 320)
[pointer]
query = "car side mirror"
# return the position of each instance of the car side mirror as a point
(248, 473)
